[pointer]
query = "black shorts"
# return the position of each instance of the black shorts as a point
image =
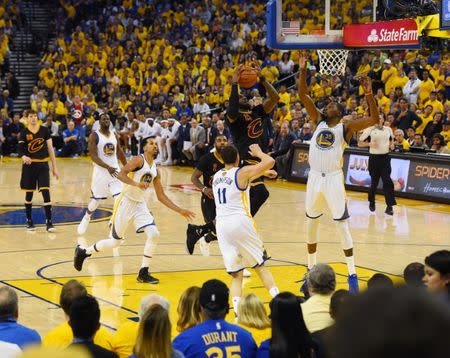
(35, 175)
(208, 209)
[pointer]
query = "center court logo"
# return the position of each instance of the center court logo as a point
(373, 37)
(325, 139)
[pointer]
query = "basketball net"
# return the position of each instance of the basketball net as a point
(332, 62)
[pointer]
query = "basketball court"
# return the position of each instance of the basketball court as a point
(38, 263)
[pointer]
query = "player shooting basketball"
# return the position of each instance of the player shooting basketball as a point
(246, 125)
(326, 181)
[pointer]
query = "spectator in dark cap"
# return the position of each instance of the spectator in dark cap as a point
(215, 334)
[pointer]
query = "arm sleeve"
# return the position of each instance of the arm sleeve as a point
(233, 108)
(21, 145)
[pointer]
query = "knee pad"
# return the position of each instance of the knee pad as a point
(344, 234)
(312, 230)
(93, 205)
(152, 232)
(46, 195)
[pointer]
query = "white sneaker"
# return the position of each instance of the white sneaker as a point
(167, 163)
(246, 273)
(82, 227)
(204, 246)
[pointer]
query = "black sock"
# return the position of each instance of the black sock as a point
(48, 212)
(28, 209)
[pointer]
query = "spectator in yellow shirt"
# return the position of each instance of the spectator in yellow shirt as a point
(427, 117)
(446, 130)
(437, 106)
(426, 87)
(399, 139)
(253, 317)
(388, 75)
(384, 103)
(285, 97)
(62, 336)
(123, 340)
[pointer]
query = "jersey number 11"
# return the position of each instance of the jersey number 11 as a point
(221, 195)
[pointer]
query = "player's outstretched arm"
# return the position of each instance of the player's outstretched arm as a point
(120, 153)
(360, 124)
(273, 96)
(92, 146)
(233, 106)
(163, 198)
(311, 108)
(133, 164)
(247, 173)
(195, 179)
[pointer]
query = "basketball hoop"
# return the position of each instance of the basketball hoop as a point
(332, 62)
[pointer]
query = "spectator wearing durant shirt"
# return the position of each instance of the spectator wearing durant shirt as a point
(215, 336)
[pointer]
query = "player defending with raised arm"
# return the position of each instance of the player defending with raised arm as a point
(325, 180)
(104, 147)
(137, 175)
(35, 149)
(246, 124)
(239, 241)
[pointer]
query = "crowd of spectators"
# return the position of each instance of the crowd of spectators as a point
(387, 320)
(164, 68)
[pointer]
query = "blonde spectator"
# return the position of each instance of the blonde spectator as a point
(189, 309)
(252, 316)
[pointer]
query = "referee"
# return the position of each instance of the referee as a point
(379, 139)
(35, 149)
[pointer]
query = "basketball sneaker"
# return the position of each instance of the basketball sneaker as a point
(353, 286)
(82, 226)
(145, 277)
(49, 226)
(193, 234)
(204, 246)
(389, 210)
(79, 257)
(304, 286)
(372, 207)
(30, 225)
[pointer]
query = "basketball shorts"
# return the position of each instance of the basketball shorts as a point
(104, 184)
(240, 243)
(208, 209)
(127, 210)
(326, 189)
(35, 175)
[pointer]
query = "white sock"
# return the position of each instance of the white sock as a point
(350, 265)
(235, 301)
(150, 245)
(102, 245)
(274, 291)
(312, 260)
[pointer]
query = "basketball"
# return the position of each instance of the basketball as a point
(248, 77)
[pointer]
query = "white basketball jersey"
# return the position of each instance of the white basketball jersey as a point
(229, 198)
(144, 174)
(107, 150)
(326, 148)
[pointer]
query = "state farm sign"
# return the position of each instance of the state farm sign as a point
(384, 33)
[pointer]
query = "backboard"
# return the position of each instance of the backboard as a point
(319, 24)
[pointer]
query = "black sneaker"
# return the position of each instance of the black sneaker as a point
(389, 210)
(193, 234)
(372, 207)
(50, 227)
(145, 277)
(30, 225)
(79, 257)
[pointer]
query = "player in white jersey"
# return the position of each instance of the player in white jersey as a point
(239, 241)
(137, 175)
(105, 150)
(325, 180)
